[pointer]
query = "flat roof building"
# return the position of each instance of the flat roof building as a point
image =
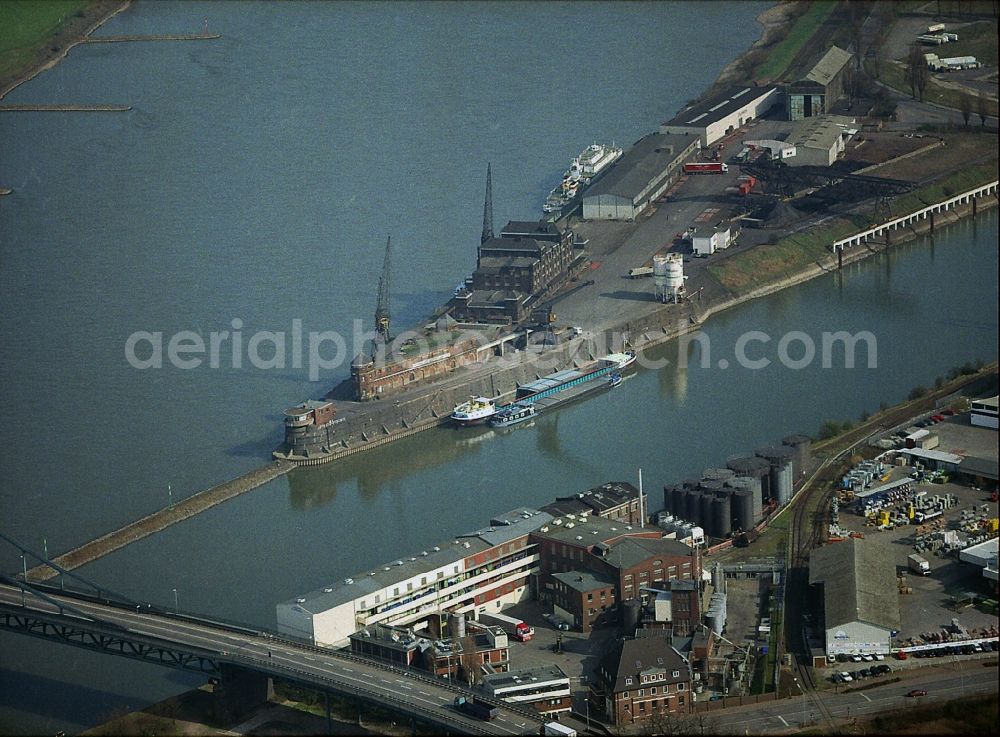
(546, 688)
(715, 118)
(420, 590)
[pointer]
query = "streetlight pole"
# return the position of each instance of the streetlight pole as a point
(176, 607)
(24, 567)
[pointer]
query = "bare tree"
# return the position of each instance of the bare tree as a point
(469, 660)
(917, 73)
(857, 13)
(965, 107)
(983, 109)
(849, 80)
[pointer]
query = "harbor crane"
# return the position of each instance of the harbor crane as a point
(382, 336)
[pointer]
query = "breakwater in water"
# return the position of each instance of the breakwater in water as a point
(161, 519)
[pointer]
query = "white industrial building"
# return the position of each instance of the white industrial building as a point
(641, 175)
(819, 140)
(983, 412)
(489, 568)
(705, 244)
(860, 598)
(777, 149)
(721, 115)
(985, 555)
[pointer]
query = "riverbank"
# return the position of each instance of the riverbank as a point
(52, 49)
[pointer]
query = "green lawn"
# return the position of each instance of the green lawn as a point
(26, 24)
(770, 262)
(783, 53)
(977, 39)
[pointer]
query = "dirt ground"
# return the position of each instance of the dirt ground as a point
(961, 149)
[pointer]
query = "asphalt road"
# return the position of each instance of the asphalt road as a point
(396, 688)
(969, 677)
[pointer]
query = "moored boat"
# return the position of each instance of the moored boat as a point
(512, 414)
(591, 162)
(474, 412)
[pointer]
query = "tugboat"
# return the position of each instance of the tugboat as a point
(474, 412)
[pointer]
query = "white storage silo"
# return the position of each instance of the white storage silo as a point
(660, 276)
(674, 278)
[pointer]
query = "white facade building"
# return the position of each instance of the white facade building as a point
(492, 565)
(721, 115)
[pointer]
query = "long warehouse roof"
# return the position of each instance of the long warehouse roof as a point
(859, 583)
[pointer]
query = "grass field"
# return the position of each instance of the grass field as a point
(784, 52)
(25, 24)
(977, 39)
(770, 262)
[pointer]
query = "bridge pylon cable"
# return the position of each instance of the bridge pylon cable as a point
(102, 591)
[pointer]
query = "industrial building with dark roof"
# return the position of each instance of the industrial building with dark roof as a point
(641, 175)
(860, 598)
(816, 93)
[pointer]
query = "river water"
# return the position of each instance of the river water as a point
(256, 179)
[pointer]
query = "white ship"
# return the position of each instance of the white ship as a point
(474, 412)
(592, 161)
(582, 170)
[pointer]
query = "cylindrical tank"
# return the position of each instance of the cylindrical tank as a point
(673, 501)
(800, 444)
(718, 577)
(711, 485)
(717, 474)
(705, 517)
(752, 487)
(680, 503)
(456, 626)
(722, 515)
(675, 276)
(753, 467)
(743, 505)
(630, 616)
(782, 477)
(660, 275)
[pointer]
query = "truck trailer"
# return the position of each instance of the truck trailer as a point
(706, 167)
(513, 627)
(476, 708)
(555, 729)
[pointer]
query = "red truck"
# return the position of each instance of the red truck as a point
(706, 167)
(513, 627)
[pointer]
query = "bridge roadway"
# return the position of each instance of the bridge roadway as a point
(415, 694)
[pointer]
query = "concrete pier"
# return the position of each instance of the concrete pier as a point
(70, 108)
(162, 519)
(152, 37)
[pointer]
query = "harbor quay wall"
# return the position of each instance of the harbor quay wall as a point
(410, 411)
(383, 422)
(415, 410)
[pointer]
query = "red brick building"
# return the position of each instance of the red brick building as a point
(640, 680)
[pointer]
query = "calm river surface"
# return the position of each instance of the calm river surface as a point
(256, 179)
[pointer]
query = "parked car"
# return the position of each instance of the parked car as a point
(884, 668)
(846, 677)
(917, 692)
(856, 658)
(868, 658)
(994, 645)
(901, 655)
(879, 656)
(841, 658)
